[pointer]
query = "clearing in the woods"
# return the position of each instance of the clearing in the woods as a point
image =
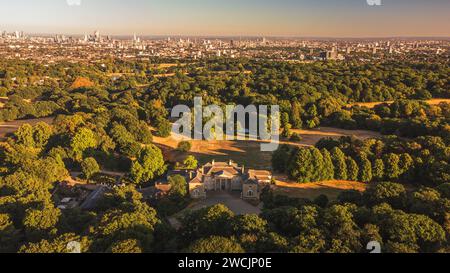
(248, 153)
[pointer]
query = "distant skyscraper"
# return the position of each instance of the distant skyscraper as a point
(332, 55)
(97, 36)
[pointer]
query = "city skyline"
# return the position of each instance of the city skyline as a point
(282, 18)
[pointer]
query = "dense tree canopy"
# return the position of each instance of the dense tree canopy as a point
(106, 121)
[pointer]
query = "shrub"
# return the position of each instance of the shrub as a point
(295, 137)
(184, 146)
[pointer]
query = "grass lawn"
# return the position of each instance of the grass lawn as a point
(248, 153)
(312, 190)
(245, 153)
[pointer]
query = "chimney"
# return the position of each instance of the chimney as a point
(213, 162)
(230, 162)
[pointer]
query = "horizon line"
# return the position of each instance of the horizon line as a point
(247, 36)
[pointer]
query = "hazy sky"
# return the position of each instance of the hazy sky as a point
(330, 18)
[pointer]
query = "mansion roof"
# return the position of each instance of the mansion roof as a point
(224, 170)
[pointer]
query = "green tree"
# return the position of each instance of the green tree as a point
(328, 167)
(287, 132)
(213, 221)
(406, 164)
(56, 246)
(392, 167)
(272, 242)
(178, 186)
(83, 140)
(37, 222)
(24, 135)
(89, 167)
(190, 163)
(338, 221)
(126, 247)
(300, 166)
(393, 194)
(281, 158)
(312, 241)
(163, 128)
(184, 146)
(250, 224)
(317, 166)
(133, 221)
(149, 165)
(340, 165)
(378, 169)
(296, 115)
(430, 235)
(216, 244)
(352, 169)
(41, 134)
(365, 174)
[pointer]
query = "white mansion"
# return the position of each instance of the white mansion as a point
(223, 176)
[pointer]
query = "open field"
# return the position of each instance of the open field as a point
(168, 65)
(11, 126)
(373, 104)
(244, 152)
(311, 137)
(248, 153)
(331, 189)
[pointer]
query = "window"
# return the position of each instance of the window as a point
(250, 193)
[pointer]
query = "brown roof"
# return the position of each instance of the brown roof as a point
(229, 169)
(259, 175)
(217, 170)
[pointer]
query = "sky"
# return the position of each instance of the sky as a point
(293, 18)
